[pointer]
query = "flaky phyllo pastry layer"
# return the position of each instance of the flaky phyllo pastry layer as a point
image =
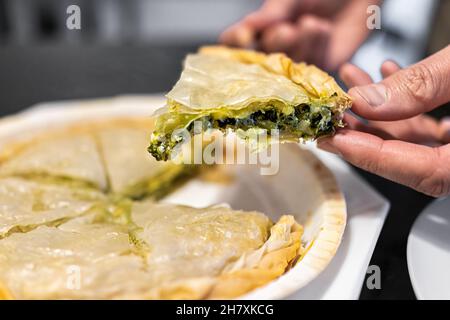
(72, 228)
(248, 91)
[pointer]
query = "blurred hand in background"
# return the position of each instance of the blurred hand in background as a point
(399, 142)
(322, 32)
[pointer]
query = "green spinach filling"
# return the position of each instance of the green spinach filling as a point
(302, 122)
(307, 122)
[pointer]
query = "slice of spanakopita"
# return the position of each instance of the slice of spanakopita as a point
(26, 204)
(131, 171)
(241, 90)
(66, 155)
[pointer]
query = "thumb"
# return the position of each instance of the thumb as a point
(407, 93)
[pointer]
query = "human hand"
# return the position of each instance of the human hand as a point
(399, 142)
(323, 32)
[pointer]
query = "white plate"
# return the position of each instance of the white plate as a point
(428, 252)
(366, 209)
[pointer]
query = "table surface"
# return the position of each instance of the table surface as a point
(29, 75)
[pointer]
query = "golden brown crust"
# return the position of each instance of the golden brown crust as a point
(272, 265)
(307, 76)
(251, 271)
(190, 289)
(4, 293)
(90, 127)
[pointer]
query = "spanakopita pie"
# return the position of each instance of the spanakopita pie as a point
(247, 91)
(78, 220)
(80, 217)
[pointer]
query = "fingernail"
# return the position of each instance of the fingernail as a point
(445, 122)
(374, 94)
(326, 146)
